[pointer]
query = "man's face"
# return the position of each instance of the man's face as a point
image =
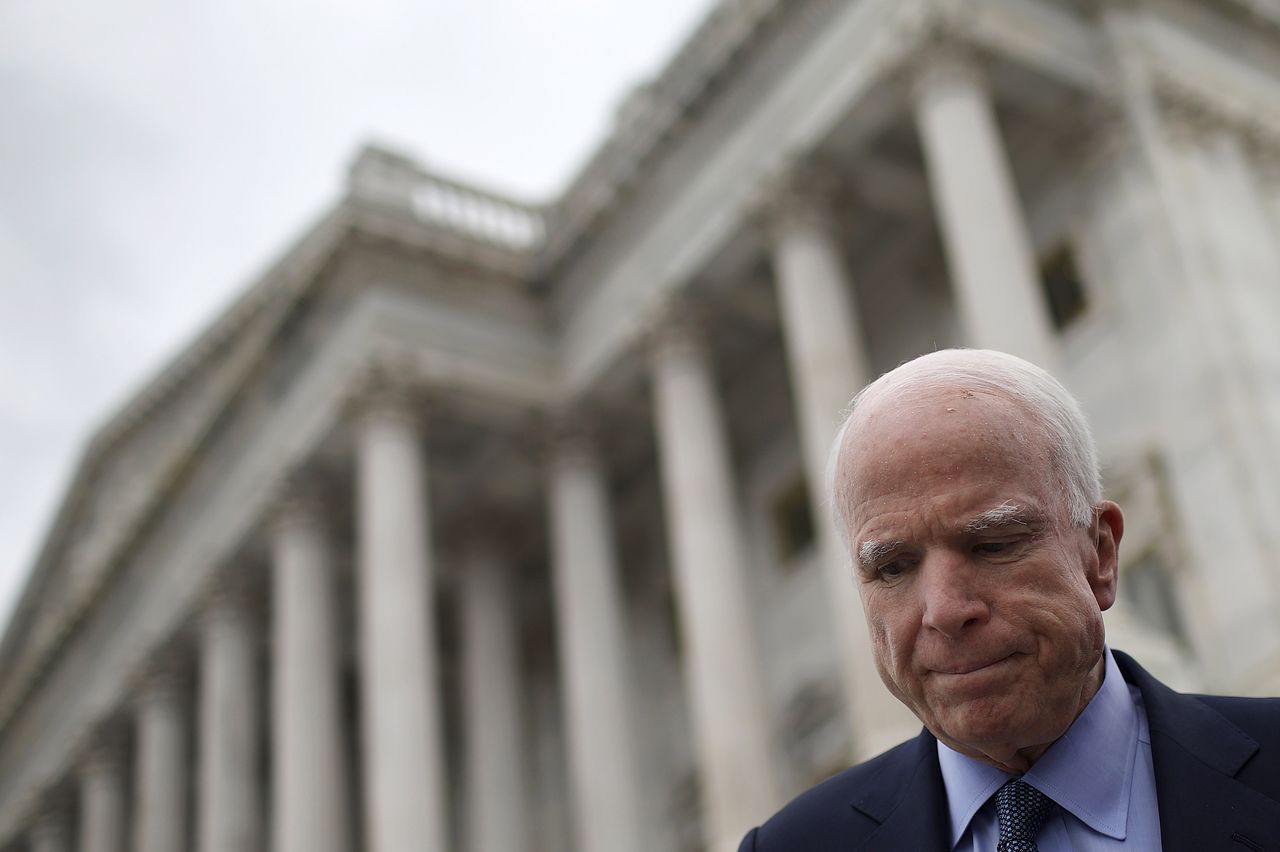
(983, 600)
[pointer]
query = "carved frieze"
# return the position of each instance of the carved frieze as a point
(1191, 113)
(385, 387)
(812, 192)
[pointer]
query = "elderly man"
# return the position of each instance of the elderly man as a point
(966, 486)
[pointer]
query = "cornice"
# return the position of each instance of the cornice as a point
(655, 116)
(264, 305)
(288, 276)
(1218, 90)
(1191, 112)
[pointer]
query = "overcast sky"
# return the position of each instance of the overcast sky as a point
(156, 155)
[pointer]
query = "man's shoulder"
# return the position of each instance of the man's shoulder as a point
(1259, 719)
(1252, 714)
(847, 808)
(1234, 735)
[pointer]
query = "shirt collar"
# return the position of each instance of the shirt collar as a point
(1088, 771)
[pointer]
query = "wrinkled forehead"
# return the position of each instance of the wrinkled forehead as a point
(940, 431)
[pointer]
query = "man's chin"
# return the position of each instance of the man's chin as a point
(982, 723)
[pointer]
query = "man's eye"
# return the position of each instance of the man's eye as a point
(995, 548)
(892, 570)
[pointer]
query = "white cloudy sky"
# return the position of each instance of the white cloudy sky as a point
(155, 154)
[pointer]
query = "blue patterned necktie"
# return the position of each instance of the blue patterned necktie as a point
(1021, 810)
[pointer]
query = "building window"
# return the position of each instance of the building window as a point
(1148, 587)
(1063, 285)
(814, 742)
(793, 530)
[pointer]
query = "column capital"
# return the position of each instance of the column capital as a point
(573, 430)
(676, 324)
(101, 749)
(226, 597)
(1265, 151)
(1191, 119)
(301, 497)
(51, 809)
(1187, 119)
(810, 193)
(163, 675)
(483, 529)
(941, 62)
(384, 388)
(1101, 139)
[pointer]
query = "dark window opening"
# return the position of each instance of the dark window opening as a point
(1148, 587)
(1063, 286)
(793, 529)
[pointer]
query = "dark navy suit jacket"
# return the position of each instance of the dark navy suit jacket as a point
(1217, 770)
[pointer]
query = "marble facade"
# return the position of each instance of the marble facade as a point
(483, 525)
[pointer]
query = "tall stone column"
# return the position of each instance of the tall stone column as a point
(992, 261)
(730, 713)
(102, 797)
(550, 799)
(496, 784)
(828, 363)
(161, 766)
(593, 657)
(228, 814)
(401, 718)
(309, 779)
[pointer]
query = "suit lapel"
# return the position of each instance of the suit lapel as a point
(1201, 808)
(1196, 754)
(910, 803)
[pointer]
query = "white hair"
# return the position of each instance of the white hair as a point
(1050, 406)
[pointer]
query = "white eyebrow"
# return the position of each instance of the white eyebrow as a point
(871, 551)
(1006, 513)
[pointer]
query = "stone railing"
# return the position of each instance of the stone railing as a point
(390, 179)
(477, 213)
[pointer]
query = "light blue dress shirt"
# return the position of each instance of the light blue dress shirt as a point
(1099, 773)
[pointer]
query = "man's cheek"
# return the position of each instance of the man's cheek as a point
(887, 655)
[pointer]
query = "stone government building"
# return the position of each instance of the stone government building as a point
(481, 525)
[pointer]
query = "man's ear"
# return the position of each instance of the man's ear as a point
(1108, 529)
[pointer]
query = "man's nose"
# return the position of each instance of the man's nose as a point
(951, 602)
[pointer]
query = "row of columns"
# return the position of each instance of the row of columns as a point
(405, 806)
(402, 747)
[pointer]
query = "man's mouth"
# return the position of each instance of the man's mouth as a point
(970, 668)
